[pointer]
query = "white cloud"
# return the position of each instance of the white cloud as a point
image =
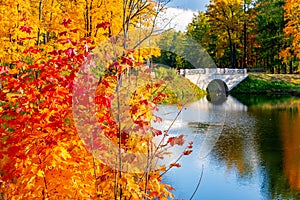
(175, 18)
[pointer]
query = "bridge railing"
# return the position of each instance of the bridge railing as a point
(223, 71)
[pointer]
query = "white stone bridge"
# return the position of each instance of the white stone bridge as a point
(204, 76)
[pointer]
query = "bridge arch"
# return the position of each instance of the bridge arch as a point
(217, 91)
(217, 86)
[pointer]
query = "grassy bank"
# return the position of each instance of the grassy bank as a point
(179, 90)
(269, 84)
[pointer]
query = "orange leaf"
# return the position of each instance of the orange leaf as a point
(175, 165)
(187, 152)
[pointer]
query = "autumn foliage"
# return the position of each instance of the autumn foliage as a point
(291, 16)
(44, 45)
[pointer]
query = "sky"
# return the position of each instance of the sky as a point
(194, 5)
(181, 12)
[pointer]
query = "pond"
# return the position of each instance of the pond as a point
(243, 149)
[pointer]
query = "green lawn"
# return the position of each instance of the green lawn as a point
(259, 83)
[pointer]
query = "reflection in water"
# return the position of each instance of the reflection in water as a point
(216, 99)
(237, 147)
(290, 131)
(274, 182)
(257, 155)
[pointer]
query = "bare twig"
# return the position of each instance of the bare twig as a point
(197, 187)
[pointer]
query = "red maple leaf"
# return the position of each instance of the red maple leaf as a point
(187, 152)
(55, 52)
(156, 132)
(127, 61)
(103, 25)
(3, 69)
(176, 140)
(71, 52)
(62, 33)
(26, 29)
(67, 41)
(66, 22)
(27, 38)
(175, 165)
(24, 19)
(32, 50)
(74, 30)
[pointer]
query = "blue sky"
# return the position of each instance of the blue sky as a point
(181, 13)
(194, 5)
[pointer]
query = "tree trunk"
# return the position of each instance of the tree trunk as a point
(40, 18)
(86, 18)
(231, 48)
(245, 39)
(234, 56)
(91, 19)
(125, 23)
(50, 19)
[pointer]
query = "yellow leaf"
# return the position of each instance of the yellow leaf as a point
(179, 107)
(40, 173)
(13, 71)
(65, 154)
(30, 183)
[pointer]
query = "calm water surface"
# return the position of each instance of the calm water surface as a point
(247, 148)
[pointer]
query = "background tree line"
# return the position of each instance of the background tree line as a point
(42, 25)
(244, 34)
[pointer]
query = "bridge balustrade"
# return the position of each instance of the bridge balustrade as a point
(220, 71)
(242, 71)
(231, 71)
(192, 71)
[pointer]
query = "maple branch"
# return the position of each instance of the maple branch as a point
(95, 174)
(45, 190)
(116, 182)
(159, 145)
(148, 164)
(176, 161)
(119, 158)
(169, 128)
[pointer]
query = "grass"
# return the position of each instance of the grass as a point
(179, 90)
(270, 84)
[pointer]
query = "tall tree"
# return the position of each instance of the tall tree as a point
(226, 19)
(226, 31)
(270, 19)
(169, 43)
(200, 30)
(291, 52)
